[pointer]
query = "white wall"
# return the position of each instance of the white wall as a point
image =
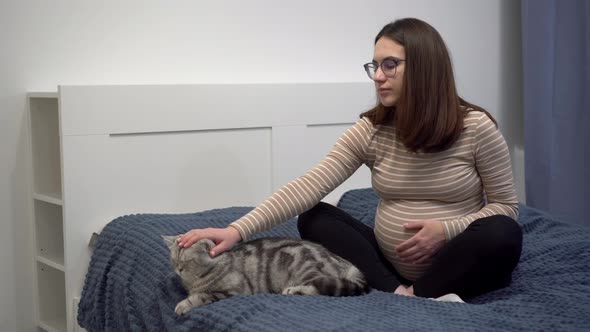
(46, 43)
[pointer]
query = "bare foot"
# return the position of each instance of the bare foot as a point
(402, 290)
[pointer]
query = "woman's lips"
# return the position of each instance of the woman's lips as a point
(383, 92)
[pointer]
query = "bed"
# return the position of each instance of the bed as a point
(130, 285)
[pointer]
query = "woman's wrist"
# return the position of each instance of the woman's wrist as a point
(236, 235)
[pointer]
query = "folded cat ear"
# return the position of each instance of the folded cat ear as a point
(170, 239)
(209, 245)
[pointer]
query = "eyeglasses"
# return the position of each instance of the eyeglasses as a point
(388, 67)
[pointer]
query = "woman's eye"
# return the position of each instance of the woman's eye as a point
(389, 65)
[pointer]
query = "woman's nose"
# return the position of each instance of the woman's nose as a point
(379, 75)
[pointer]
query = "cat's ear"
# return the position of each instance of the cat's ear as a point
(170, 240)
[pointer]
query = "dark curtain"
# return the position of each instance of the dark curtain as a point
(556, 61)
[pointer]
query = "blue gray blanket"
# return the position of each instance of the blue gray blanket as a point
(130, 285)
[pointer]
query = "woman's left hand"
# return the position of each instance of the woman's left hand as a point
(424, 244)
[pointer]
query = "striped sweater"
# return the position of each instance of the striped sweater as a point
(470, 180)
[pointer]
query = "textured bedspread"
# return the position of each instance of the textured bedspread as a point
(130, 285)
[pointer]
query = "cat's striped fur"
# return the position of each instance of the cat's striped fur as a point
(269, 265)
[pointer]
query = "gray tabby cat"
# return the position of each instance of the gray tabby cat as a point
(269, 265)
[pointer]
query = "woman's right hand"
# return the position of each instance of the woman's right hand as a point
(224, 238)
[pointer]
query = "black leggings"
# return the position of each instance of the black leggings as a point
(478, 260)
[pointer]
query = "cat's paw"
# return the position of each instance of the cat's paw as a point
(183, 307)
(300, 290)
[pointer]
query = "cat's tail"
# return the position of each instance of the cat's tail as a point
(353, 288)
(340, 286)
(353, 283)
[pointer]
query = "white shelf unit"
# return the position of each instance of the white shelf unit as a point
(47, 204)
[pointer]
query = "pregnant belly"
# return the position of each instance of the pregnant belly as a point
(390, 231)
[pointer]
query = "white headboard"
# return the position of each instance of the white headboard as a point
(188, 148)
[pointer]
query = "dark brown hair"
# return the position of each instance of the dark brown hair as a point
(429, 114)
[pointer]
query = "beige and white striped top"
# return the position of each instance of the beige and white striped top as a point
(447, 186)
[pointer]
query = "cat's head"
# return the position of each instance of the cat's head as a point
(190, 261)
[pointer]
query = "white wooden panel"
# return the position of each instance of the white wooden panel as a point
(319, 140)
(288, 154)
(297, 149)
(148, 108)
(110, 176)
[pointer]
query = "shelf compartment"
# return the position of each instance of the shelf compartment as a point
(53, 198)
(49, 231)
(50, 327)
(52, 298)
(45, 136)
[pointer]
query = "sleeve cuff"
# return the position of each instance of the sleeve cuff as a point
(243, 234)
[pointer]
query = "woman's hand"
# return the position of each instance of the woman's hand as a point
(224, 238)
(424, 244)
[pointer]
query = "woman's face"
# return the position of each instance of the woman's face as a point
(388, 88)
